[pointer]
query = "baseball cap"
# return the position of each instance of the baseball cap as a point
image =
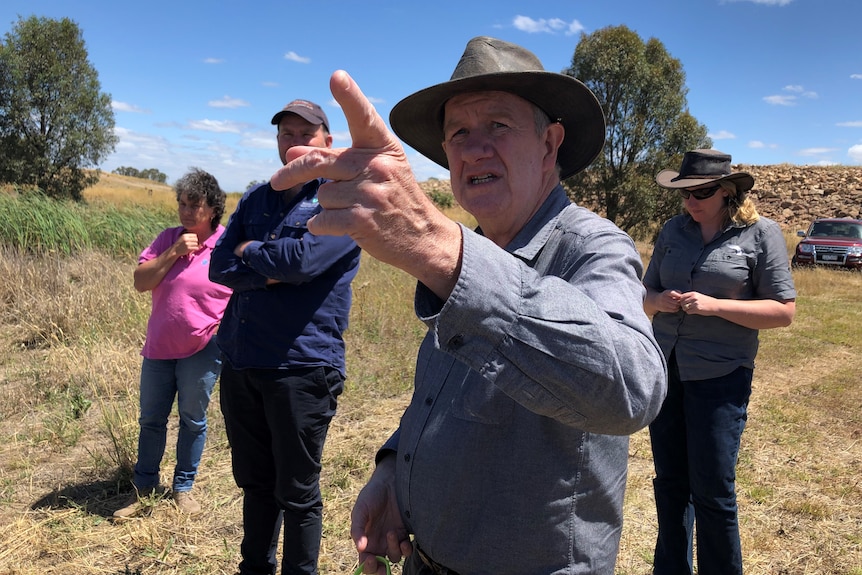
(308, 111)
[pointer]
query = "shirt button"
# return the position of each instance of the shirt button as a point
(456, 341)
(272, 236)
(407, 458)
(429, 400)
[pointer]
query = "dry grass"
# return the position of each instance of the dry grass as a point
(122, 190)
(69, 342)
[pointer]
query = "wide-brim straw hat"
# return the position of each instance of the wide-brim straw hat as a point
(701, 167)
(489, 64)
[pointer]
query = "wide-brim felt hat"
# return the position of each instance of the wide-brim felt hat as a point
(489, 64)
(701, 167)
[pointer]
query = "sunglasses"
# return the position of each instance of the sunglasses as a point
(701, 194)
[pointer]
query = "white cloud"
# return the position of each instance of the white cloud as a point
(780, 100)
(126, 107)
(856, 124)
(765, 2)
(228, 102)
(213, 61)
(217, 126)
(259, 141)
(234, 166)
(855, 153)
(546, 26)
(138, 140)
(294, 57)
(856, 76)
(816, 151)
(790, 100)
(722, 135)
(343, 136)
(758, 145)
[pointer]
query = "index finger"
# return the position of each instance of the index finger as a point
(367, 128)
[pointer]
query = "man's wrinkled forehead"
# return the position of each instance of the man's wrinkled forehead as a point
(505, 104)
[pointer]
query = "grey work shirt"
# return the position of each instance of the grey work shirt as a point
(742, 262)
(512, 455)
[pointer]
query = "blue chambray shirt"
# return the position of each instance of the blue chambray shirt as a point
(742, 262)
(512, 455)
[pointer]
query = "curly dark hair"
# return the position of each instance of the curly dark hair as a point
(199, 185)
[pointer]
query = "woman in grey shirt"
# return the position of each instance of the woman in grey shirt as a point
(718, 274)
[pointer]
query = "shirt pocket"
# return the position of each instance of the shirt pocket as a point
(256, 226)
(675, 269)
(299, 216)
(727, 272)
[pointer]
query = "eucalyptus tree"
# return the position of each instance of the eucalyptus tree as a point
(54, 120)
(642, 91)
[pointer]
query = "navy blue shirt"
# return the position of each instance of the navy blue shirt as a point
(300, 321)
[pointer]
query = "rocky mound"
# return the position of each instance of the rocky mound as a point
(789, 194)
(795, 195)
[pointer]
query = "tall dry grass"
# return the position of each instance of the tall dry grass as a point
(71, 328)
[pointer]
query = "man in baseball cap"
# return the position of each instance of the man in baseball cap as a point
(283, 350)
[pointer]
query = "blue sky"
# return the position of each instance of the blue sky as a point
(196, 83)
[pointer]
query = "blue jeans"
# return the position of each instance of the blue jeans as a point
(276, 422)
(695, 444)
(191, 380)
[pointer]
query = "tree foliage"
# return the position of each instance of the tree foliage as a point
(642, 91)
(148, 174)
(54, 120)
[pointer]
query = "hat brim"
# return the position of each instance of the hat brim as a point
(667, 179)
(418, 118)
(304, 114)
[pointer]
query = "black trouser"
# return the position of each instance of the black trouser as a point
(276, 422)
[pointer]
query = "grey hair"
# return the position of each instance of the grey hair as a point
(199, 185)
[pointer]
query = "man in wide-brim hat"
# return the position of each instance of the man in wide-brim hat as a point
(538, 360)
(492, 65)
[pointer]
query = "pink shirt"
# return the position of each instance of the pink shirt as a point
(187, 306)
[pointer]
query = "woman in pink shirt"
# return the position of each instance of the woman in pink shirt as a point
(181, 358)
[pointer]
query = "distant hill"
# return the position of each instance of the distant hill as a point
(129, 183)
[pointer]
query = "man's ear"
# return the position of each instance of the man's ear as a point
(554, 136)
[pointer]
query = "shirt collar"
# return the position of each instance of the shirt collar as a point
(533, 236)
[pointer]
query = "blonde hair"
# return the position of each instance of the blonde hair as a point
(740, 212)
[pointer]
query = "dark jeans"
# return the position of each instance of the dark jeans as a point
(695, 443)
(276, 423)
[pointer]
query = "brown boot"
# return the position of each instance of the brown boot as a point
(186, 503)
(133, 505)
